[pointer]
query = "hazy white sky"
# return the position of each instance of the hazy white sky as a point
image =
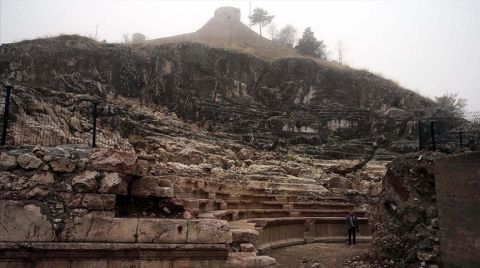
(431, 47)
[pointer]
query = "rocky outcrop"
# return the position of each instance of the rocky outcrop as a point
(314, 108)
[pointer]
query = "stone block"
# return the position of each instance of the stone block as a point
(44, 179)
(19, 222)
(7, 161)
(208, 231)
(99, 201)
(85, 182)
(62, 165)
(37, 193)
(152, 186)
(244, 235)
(247, 247)
(142, 168)
(71, 200)
(113, 183)
(27, 161)
(114, 161)
(162, 231)
(94, 227)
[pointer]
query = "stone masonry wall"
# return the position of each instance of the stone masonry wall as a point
(59, 205)
(458, 198)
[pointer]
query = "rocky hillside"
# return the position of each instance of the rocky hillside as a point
(287, 104)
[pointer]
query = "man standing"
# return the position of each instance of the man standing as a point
(352, 225)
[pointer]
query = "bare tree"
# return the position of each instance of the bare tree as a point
(272, 31)
(451, 103)
(287, 36)
(126, 38)
(340, 52)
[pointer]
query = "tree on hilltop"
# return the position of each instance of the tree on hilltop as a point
(309, 45)
(451, 103)
(260, 16)
(286, 36)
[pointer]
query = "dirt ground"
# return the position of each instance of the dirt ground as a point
(324, 255)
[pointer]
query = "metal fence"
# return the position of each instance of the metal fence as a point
(454, 131)
(93, 121)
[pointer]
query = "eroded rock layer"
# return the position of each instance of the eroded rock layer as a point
(314, 108)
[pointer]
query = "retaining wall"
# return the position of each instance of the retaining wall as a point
(458, 201)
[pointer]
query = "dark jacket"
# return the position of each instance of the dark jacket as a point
(351, 221)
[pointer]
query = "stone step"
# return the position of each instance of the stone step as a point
(242, 204)
(252, 187)
(201, 205)
(237, 214)
(268, 233)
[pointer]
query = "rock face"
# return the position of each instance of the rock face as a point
(407, 226)
(315, 108)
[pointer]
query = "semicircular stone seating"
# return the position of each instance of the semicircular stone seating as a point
(270, 212)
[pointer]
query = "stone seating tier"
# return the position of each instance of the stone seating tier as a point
(267, 233)
(238, 214)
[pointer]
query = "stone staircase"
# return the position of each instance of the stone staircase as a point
(265, 214)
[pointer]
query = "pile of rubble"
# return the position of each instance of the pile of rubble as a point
(406, 228)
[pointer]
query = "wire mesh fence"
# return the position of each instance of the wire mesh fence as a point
(457, 131)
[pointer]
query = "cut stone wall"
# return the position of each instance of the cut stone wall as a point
(59, 205)
(458, 202)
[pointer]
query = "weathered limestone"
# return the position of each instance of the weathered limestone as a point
(7, 161)
(113, 161)
(162, 231)
(152, 186)
(93, 228)
(85, 182)
(27, 161)
(127, 206)
(62, 165)
(21, 222)
(113, 183)
(99, 201)
(207, 230)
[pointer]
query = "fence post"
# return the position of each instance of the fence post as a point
(5, 115)
(461, 138)
(94, 123)
(432, 132)
(420, 136)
